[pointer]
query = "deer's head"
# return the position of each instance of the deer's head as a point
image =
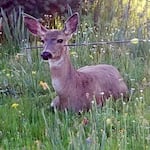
(54, 41)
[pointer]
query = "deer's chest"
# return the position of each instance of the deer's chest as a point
(57, 85)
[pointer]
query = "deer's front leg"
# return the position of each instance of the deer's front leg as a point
(55, 104)
(59, 103)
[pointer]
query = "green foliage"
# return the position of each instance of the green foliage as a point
(26, 121)
(14, 32)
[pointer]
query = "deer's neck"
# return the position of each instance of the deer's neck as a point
(62, 72)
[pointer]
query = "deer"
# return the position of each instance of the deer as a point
(76, 89)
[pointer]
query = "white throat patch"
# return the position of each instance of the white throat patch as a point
(56, 84)
(55, 63)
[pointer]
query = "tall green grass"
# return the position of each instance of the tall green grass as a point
(26, 121)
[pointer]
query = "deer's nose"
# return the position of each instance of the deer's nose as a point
(46, 55)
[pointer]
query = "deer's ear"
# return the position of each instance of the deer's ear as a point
(71, 24)
(34, 26)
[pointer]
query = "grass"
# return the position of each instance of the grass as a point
(26, 121)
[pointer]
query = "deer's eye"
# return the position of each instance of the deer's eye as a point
(59, 40)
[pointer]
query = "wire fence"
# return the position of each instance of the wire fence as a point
(132, 41)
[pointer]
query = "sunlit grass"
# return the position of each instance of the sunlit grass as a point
(26, 121)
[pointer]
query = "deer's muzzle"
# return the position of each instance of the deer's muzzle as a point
(46, 55)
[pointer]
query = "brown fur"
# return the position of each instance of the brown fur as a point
(81, 87)
(76, 89)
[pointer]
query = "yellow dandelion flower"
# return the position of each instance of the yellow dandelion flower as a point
(33, 72)
(44, 85)
(144, 80)
(135, 41)
(8, 75)
(14, 105)
(108, 121)
(73, 53)
(91, 57)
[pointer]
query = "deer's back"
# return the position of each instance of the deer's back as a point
(105, 78)
(102, 71)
